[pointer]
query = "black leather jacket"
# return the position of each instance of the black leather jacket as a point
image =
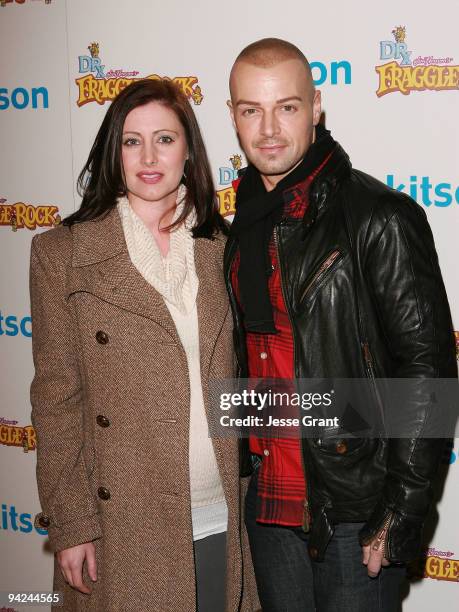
(359, 233)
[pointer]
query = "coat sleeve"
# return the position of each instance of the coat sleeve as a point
(69, 507)
(408, 291)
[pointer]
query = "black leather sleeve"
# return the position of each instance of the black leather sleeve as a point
(404, 277)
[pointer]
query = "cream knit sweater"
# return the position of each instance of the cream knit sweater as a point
(174, 277)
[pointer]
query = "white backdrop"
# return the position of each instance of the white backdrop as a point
(49, 115)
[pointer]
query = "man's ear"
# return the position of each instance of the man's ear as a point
(229, 104)
(316, 107)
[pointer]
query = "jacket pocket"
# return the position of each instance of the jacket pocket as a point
(340, 446)
(328, 264)
(89, 455)
(370, 372)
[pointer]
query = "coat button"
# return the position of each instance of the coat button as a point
(103, 493)
(42, 520)
(102, 337)
(341, 447)
(102, 420)
(313, 552)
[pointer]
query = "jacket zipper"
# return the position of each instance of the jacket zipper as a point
(306, 525)
(387, 523)
(381, 537)
(324, 266)
(371, 375)
(306, 514)
(368, 360)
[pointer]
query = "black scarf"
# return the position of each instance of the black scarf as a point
(257, 211)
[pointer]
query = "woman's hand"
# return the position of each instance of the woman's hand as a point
(71, 563)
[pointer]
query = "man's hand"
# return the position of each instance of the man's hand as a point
(71, 563)
(373, 554)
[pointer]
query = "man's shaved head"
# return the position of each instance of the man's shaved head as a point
(274, 106)
(269, 52)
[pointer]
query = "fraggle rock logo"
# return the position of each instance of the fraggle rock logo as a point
(437, 565)
(11, 434)
(20, 215)
(227, 195)
(99, 85)
(406, 75)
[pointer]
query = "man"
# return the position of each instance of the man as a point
(331, 274)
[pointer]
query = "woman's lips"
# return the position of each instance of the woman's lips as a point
(150, 178)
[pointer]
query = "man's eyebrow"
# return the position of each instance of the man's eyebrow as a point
(289, 99)
(281, 101)
(247, 103)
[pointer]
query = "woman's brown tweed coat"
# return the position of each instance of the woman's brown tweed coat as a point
(110, 404)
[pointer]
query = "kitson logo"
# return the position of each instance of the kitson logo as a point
(336, 73)
(11, 325)
(21, 215)
(12, 434)
(101, 85)
(20, 98)
(449, 454)
(425, 191)
(11, 520)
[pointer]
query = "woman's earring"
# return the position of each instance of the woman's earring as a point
(184, 172)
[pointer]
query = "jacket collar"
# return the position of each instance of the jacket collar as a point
(329, 178)
(325, 185)
(98, 240)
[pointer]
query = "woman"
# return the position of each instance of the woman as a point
(131, 322)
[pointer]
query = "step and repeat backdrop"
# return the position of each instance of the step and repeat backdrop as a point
(389, 77)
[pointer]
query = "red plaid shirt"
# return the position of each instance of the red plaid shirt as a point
(281, 478)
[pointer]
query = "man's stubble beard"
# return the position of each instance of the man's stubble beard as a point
(274, 166)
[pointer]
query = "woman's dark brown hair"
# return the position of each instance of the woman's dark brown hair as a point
(101, 182)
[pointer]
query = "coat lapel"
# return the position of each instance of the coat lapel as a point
(101, 265)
